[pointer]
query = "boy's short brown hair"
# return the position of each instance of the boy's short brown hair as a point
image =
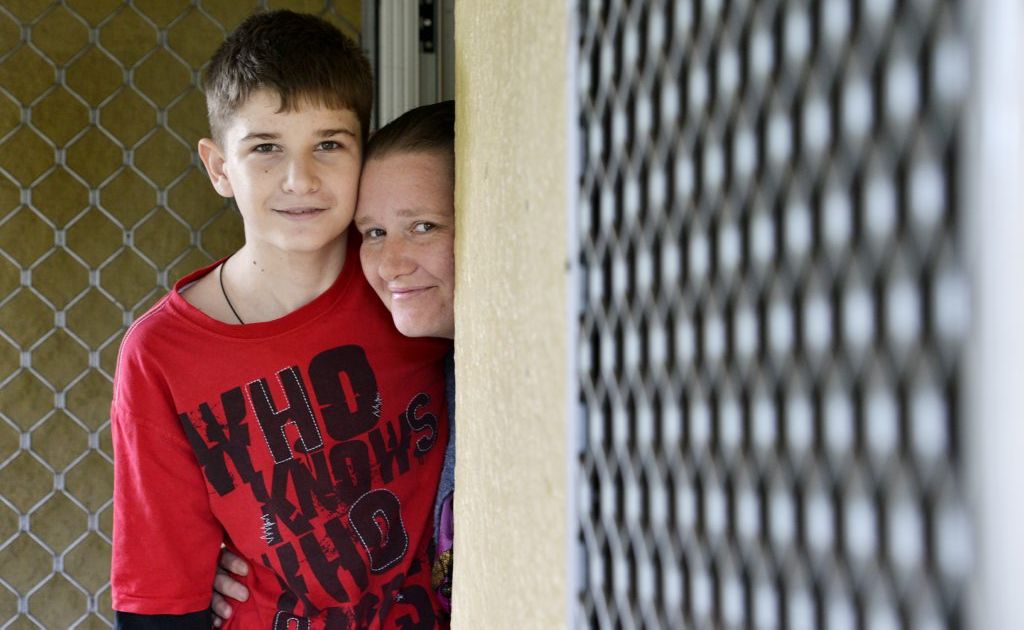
(424, 128)
(300, 57)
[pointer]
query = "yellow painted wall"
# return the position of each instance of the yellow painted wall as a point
(102, 205)
(511, 346)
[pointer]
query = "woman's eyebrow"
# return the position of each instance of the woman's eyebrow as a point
(414, 211)
(360, 221)
(403, 213)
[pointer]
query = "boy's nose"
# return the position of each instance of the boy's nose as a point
(301, 177)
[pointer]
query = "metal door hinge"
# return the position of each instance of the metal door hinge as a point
(427, 26)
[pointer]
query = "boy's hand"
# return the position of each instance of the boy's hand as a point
(225, 586)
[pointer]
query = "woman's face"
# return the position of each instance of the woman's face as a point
(406, 214)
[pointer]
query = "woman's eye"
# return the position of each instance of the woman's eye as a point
(373, 233)
(423, 226)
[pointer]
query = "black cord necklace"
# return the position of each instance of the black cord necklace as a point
(220, 278)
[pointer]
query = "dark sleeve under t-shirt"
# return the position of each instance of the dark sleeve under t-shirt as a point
(201, 620)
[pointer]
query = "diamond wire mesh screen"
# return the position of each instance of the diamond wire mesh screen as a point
(102, 206)
(773, 314)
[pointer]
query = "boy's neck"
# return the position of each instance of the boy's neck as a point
(267, 283)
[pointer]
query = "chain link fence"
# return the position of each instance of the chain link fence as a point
(103, 205)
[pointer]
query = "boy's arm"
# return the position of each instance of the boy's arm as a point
(166, 538)
(192, 621)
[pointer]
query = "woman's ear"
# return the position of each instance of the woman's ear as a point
(213, 160)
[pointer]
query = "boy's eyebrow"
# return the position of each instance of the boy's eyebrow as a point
(260, 135)
(327, 133)
(321, 133)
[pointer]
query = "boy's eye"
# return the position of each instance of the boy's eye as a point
(329, 145)
(423, 226)
(264, 148)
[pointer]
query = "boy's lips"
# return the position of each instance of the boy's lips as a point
(300, 212)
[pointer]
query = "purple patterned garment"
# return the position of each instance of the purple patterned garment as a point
(441, 578)
(444, 517)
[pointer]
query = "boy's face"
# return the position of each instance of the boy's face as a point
(406, 215)
(294, 174)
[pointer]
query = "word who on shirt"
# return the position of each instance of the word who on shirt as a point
(307, 480)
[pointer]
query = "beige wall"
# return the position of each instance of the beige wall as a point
(511, 347)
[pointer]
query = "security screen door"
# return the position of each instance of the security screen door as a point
(772, 326)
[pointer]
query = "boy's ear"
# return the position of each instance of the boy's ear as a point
(213, 160)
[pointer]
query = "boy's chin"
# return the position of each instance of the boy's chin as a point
(310, 244)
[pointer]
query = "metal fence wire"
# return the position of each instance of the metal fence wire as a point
(773, 314)
(102, 206)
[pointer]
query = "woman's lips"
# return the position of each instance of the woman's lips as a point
(408, 293)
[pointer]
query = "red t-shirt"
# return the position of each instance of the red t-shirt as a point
(312, 445)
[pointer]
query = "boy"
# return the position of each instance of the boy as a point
(406, 214)
(267, 401)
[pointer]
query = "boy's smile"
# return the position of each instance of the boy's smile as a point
(294, 174)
